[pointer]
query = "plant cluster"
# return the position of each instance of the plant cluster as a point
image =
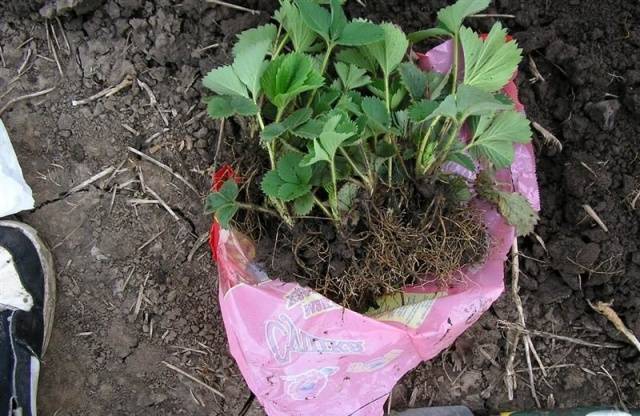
(342, 110)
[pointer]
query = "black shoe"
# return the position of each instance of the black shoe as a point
(27, 301)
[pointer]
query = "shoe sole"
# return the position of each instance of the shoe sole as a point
(48, 271)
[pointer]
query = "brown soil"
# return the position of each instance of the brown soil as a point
(104, 359)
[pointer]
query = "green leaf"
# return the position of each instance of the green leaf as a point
(518, 212)
(385, 149)
(458, 188)
(300, 34)
(297, 118)
(346, 196)
(358, 58)
(289, 181)
(223, 203)
(402, 121)
(338, 19)
(390, 51)
(451, 17)
(436, 83)
(463, 160)
(224, 81)
(446, 108)
(327, 144)
(303, 205)
(223, 106)
(249, 51)
(294, 120)
(316, 17)
(421, 35)
(489, 65)
(414, 79)
(272, 131)
(360, 32)
(377, 115)
(421, 110)
(351, 76)
(474, 101)
(496, 142)
(289, 75)
(309, 130)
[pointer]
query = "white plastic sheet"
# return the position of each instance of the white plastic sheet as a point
(15, 194)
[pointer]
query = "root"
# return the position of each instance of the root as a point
(434, 248)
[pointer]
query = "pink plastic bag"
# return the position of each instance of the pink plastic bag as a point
(302, 354)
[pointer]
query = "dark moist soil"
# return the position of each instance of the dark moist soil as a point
(105, 359)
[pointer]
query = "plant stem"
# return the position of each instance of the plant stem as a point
(280, 46)
(366, 162)
(386, 93)
(334, 181)
(420, 168)
(364, 177)
(257, 208)
(323, 68)
(454, 68)
(323, 208)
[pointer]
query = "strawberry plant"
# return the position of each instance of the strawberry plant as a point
(342, 111)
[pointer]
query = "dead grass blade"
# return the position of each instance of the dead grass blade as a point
(549, 138)
(194, 379)
(165, 167)
(26, 97)
(595, 217)
(107, 92)
(607, 311)
(234, 6)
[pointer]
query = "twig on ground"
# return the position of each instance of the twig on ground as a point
(149, 241)
(4, 63)
(8, 91)
(515, 289)
(91, 180)
(107, 92)
(139, 201)
(622, 403)
(153, 101)
(635, 199)
(64, 36)
(607, 311)
(130, 129)
(126, 281)
(140, 297)
(233, 6)
(26, 61)
(496, 15)
(55, 37)
(535, 333)
(116, 171)
(549, 138)
(165, 167)
(52, 48)
(113, 198)
(26, 97)
(213, 45)
(537, 76)
(196, 118)
(199, 243)
(164, 204)
(155, 136)
(218, 145)
(595, 217)
(194, 379)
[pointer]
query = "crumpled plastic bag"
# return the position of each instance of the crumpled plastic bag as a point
(16, 194)
(302, 354)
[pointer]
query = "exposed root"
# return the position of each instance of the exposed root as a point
(393, 253)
